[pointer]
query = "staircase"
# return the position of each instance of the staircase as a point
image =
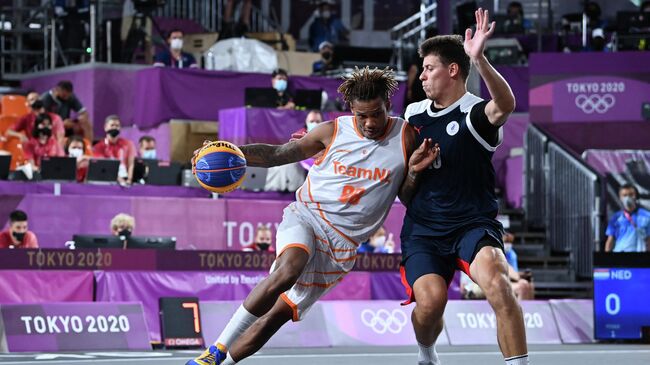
(552, 272)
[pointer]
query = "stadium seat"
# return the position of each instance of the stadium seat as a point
(15, 148)
(6, 122)
(13, 105)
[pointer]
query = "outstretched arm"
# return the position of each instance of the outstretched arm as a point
(419, 160)
(503, 101)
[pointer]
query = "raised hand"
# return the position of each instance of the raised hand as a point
(475, 45)
(424, 156)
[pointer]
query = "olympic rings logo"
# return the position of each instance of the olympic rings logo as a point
(384, 321)
(595, 103)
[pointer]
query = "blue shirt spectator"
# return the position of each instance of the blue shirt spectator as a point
(174, 56)
(326, 27)
(629, 229)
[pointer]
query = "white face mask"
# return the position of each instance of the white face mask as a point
(326, 14)
(176, 43)
(378, 241)
(311, 126)
(76, 152)
(149, 154)
(507, 247)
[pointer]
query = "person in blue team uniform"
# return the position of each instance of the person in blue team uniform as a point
(628, 229)
(174, 56)
(450, 222)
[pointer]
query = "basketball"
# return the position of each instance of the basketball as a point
(220, 167)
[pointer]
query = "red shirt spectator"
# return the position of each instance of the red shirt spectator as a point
(17, 235)
(42, 143)
(118, 148)
(26, 123)
(7, 241)
(263, 240)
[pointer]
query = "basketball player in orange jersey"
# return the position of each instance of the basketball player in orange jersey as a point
(366, 162)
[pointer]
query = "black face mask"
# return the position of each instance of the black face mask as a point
(327, 55)
(42, 131)
(18, 236)
(113, 132)
(124, 234)
(263, 246)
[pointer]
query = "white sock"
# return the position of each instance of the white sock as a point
(228, 360)
(428, 355)
(240, 321)
(517, 360)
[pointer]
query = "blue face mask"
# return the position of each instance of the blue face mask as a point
(280, 85)
(149, 154)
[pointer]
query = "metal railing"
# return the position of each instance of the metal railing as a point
(573, 202)
(411, 31)
(535, 143)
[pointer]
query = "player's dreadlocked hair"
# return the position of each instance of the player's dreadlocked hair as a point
(366, 84)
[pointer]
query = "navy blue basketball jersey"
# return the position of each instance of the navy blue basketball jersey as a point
(457, 191)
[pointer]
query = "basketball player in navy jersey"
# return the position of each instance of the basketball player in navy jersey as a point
(450, 220)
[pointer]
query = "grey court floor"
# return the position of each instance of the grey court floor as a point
(595, 354)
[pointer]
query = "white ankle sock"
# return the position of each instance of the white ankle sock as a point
(228, 360)
(428, 355)
(517, 360)
(240, 321)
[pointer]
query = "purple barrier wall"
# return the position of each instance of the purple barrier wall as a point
(45, 286)
(161, 133)
(73, 327)
(518, 79)
(579, 137)
(513, 137)
(579, 87)
(147, 287)
(256, 125)
(226, 224)
(473, 322)
(575, 319)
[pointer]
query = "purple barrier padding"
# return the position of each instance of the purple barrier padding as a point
(514, 189)
(45, 286)
(513, 137)
(473, 322)
(309, 332)
(579, 137)
(259, 125)
(71, 188)
(575, 319)
(185, 94)
(103, 89)
(74, 327)
(371, 323)
(147, 287)
(161, 133)
(614, 161)
(518, 79)
(556, 64)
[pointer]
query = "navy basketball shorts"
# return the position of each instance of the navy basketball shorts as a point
(423, 255)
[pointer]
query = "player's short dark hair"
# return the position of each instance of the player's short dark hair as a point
(169, 34)
(366, 84)
(627, 186)
(38, 104)
(17, 216)
(449, 48)
(65, 85)
(279, 71)
(146, 139)
(42, 117)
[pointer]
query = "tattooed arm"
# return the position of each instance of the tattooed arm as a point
(266, 155)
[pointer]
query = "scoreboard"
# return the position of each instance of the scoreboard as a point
(621, 296)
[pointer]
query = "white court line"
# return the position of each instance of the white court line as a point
(310, 356)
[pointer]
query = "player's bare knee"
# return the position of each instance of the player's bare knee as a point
(498, 290)
(284, 277)
(430, 306)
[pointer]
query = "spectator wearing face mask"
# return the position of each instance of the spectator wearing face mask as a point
(629, 229)
(18, 235)
(378, 243)
(42, 143)
(327, 61)
(62, 101)
(174, 56)
(118, 148)
(280, 82)
(326, 27)
(76, 147)
(122, 226)
(263, 240)
(147, 148)
(25, 125)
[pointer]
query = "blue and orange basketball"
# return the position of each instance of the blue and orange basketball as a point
(220, 167)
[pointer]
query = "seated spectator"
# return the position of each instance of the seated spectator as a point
(326, 27)
(122, 226)
(327, 61)
(61, 100)
(313, 119)
(18, 235)
(76, 147)
(263, 240)
(378, 243)
(516, 12)
(147, 148)
(174, 56)
(42, 143)
(25, 125)
(629, 229)
(280, 81)
(118, 148)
